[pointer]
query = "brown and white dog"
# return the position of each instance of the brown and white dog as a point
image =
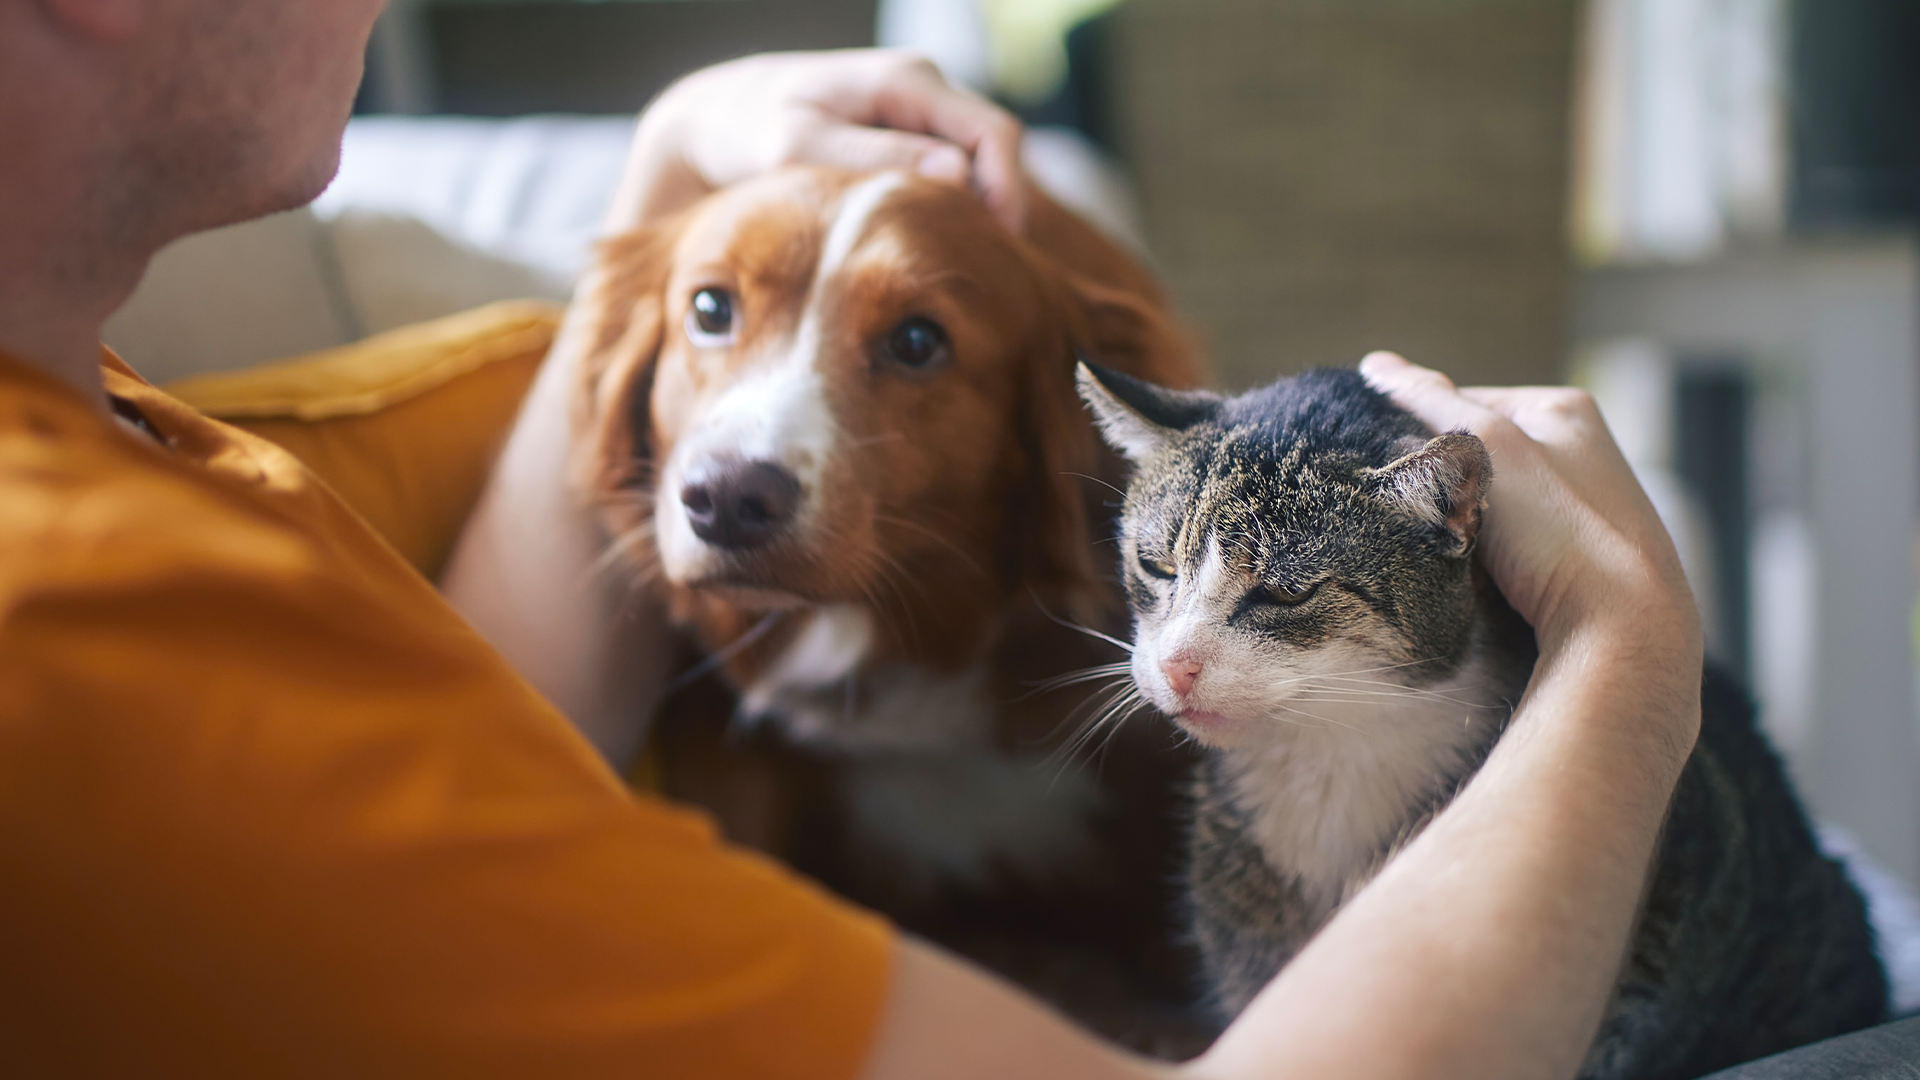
(833, 422)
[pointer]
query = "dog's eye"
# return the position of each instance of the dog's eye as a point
(1158, 568)
(918, 342)
(710, 317)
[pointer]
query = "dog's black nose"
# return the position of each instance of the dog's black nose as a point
(740, 504)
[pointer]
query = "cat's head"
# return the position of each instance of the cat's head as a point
(1292, 552)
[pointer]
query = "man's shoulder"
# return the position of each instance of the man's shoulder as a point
(84, 502)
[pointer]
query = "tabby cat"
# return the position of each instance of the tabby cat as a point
(1299, 561)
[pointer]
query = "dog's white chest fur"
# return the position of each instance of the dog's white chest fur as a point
(924, 784)
(1326, 800)
(817, 692)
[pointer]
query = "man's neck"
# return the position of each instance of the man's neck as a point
(71, 251)
(67, 348)
(76, 229)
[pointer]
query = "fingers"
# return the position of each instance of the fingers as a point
(864, 149)
(1557, 415)
(861, 109)
(912, 95)
(1425, 393)
(1569, 533)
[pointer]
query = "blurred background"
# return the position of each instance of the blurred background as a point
(1703, 210)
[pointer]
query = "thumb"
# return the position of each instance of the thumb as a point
(1424, 392)
(865, 149)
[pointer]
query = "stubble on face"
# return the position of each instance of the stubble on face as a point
(236, 110)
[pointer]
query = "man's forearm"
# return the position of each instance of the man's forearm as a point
(1488, 947)
(531, 573)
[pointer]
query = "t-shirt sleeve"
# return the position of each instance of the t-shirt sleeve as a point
(261, 818)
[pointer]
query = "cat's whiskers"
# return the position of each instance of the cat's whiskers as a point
(1374, 699)
(1325, 720)
(1120, 701)
(1351, 688)
(1399, 693)
(1123, 699)
(1359, 685)
(1087, 630)
(1096, 673)
(1354, 671)
(1116, 490)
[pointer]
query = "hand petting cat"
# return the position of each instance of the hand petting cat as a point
(1570, 537)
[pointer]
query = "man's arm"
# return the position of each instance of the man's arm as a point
(1487, 949)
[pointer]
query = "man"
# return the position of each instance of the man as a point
(268, 807)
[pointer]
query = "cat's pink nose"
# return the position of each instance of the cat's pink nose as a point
(1181, 673)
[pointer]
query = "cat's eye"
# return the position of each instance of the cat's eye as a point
(1283, 595)
(1158, 568)
(710, 318)
(918, 343)
(1272, 598)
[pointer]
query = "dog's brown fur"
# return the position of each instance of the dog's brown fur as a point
(964, 514)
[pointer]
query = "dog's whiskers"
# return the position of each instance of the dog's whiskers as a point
(876, 440)
(719, 657)
(937, 537)
(632, 552)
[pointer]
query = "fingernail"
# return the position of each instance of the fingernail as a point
(944, 163)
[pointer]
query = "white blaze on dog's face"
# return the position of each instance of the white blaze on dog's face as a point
(749, 465)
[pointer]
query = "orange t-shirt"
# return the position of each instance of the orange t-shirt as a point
(269, 808)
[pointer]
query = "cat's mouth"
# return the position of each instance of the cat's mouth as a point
(1201, 722)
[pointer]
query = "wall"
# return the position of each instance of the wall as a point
(1324, 177)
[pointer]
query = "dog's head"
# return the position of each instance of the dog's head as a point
(834, 413)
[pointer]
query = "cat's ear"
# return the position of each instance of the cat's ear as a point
(1137, 417)
(1444, 483)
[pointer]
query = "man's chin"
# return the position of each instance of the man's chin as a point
(304, 184)
(265, 198)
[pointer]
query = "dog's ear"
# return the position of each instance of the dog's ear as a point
(1071, 475)
(1052, 510)
(1132, 334)
(621, 310)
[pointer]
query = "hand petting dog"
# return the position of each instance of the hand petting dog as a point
(856, 109)
(526, 573)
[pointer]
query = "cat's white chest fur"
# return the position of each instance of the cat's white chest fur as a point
(1326, 796)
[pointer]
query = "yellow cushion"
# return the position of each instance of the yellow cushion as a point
(404, 426)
